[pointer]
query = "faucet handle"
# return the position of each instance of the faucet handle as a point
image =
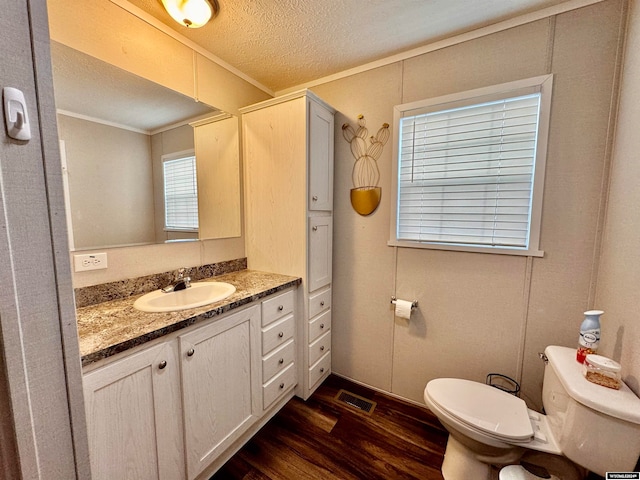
(181, 273)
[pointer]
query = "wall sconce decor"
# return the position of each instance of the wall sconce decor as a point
(192, 13)
(365, 194)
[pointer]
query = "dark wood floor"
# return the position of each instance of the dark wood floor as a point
(328, 440)
(324, 439)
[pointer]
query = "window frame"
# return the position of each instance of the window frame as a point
(168, 158)
(542, 84)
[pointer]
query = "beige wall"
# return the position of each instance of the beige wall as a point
(110, 183)
(479, 313)
(619, 276)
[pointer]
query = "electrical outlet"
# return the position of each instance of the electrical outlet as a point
(91, 261)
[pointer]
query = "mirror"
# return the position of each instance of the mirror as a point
(115, 130)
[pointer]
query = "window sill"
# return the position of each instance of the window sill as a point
(465, 248)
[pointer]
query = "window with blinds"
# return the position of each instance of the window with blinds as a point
(180, 194)
(468, 168)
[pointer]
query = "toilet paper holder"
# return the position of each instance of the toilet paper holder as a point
(414, 304)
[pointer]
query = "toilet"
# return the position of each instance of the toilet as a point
(493, 435)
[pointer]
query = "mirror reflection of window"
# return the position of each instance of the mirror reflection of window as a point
(180, 192)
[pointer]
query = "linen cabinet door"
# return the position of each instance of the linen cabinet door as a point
(217, 385)
(320, 138)
(133, 417)
(320, 248)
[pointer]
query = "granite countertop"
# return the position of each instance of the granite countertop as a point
(114, 326)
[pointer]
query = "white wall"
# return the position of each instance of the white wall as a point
(479, 313)
(618, 287)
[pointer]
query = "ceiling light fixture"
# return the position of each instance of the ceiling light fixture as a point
(191, 13)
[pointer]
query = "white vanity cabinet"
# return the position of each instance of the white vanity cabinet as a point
(288, 146)
(180, 407)
(216, 361)
(134, 416)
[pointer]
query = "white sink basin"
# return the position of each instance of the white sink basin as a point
(198, 295)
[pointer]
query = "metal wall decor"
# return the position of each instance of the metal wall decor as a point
(365, 194)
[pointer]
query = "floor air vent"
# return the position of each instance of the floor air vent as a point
(356, 401)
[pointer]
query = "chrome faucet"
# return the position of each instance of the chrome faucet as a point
(181, 282)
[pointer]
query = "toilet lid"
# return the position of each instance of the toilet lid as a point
(484, 407)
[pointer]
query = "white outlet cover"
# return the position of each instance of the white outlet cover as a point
(90, 261)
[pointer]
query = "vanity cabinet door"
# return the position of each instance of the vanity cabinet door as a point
(134, 427)
(216, 362)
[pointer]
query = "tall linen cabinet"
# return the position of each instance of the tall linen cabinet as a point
(288, 147)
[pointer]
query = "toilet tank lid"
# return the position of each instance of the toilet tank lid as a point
(622, 404)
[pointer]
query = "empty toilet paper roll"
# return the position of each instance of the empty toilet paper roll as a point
(403, 309)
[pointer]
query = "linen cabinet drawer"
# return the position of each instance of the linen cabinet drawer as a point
(318, 348)
(319, 325)
(278, 385)
(277, 307)
(319, 302)
(278, 360)
(319, 369)
(277, 334)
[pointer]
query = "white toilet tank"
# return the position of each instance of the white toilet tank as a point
(595, 426)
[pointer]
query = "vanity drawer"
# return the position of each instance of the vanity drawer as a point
(282, 382)
(319, 325)
(277, 307)
(319, 302)
(319, 347)
(319, 369)
(278, 360)
(277, 334)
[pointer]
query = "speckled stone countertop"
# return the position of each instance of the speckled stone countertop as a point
(115, 326)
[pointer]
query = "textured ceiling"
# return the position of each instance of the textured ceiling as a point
(286, 43)
(279, 43)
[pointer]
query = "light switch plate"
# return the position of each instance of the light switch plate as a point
(91, 261)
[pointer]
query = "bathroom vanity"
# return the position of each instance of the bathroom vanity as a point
(173, 395)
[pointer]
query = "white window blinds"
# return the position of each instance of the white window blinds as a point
(466, 174)
(180, 194)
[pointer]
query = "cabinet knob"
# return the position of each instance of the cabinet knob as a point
(322, 370)
(322, 303)
(162, 364)
(321, 326)
(280, 308)
(315, 228)
(281, 334)
(281, 386)
(281, 361)
(322, 348)
(314, 198)
(190, 352)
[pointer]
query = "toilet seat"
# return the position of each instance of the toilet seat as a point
(489, 410)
